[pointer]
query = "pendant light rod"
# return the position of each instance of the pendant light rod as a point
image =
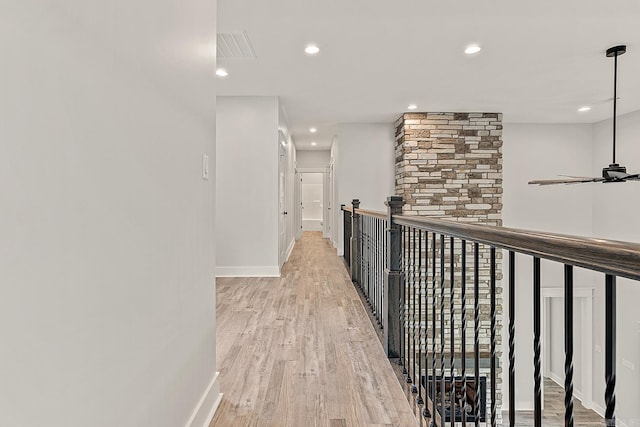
(615, 102)
(615, 52)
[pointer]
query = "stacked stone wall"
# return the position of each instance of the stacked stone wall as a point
(449, 165)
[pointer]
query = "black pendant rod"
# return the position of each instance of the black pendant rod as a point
(615, 52)
(615, 102)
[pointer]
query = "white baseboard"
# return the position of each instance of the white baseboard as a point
(598, 410)
(523, 405)
(207, 406)
(290, 249)
(248, 271)
(311, 225)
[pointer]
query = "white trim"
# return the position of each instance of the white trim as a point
(290, 249)
(312, 170)
(586, 322)
(600, 411)
(207, 406)
(248, 271)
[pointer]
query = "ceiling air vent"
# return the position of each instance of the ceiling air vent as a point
(235, 46)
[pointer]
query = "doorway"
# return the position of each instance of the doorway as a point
(553, 340)
(312, 200)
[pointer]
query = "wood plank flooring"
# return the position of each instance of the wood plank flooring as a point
(300, 351)
(553, 413)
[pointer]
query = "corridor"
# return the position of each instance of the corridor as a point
(300, 350)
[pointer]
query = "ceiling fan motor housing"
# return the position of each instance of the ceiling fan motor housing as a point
(613, 170)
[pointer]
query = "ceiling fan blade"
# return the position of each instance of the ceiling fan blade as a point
(577, 177)
(564, 181)
(634, 177)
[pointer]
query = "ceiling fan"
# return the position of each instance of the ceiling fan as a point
(614, 172)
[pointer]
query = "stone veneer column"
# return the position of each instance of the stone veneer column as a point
(449, 165)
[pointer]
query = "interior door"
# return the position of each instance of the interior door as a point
(312, 201)
(282, 207)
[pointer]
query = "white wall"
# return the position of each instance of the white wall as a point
(247, 186)
(107, 313)
(615, 208)
(365, 168)
(538, 152)
(313, 158)
(599, 210)
(290, 173)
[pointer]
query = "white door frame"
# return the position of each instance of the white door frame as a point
(585, 299)
(282, 205)
(299, 172)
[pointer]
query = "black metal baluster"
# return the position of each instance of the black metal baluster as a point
(494, 387)
(408, 304)
(369, 284)
(383, 311)
(568, 345)
(425, 410)
(411, 338)
(610, 350)
(379, 269)
(537, 372)
(414, 388)
(418, 378)
(476, 331)
(434, 394)
(452, 346)
(442, 346)
(463, 319)
(374, 268)
(512, 337)
(402, 298)
(362, 278)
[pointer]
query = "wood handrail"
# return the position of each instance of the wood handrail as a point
(374, 214)
(366, 212)
(607, 256)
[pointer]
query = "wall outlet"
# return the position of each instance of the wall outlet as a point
(205, 166)
(598, 349)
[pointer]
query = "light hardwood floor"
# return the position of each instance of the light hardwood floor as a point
(553, 413)
(300, 351)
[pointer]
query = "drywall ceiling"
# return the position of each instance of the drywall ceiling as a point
(540, 61)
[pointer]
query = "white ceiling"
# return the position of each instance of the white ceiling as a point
(541, 60)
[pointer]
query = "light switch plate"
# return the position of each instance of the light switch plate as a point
(205, 166)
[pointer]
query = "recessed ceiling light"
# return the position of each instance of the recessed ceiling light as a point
(313, 130)
(471, 49)
(314, 144)
(312, 49)
(412, 107)
(584, 109)
(221, 72)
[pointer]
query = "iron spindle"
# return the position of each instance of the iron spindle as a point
(401, 301)
(425, 410)
(476, 330)
(537, 373)
(442, 346)
(414, 389)
(463, 320)
(410, 330)
(452, 346)
(568, 345)
(610, 350)
(494, 387)
(433, 333)
(418, 378)
(512, 337)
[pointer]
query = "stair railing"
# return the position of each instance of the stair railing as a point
(418, 274)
